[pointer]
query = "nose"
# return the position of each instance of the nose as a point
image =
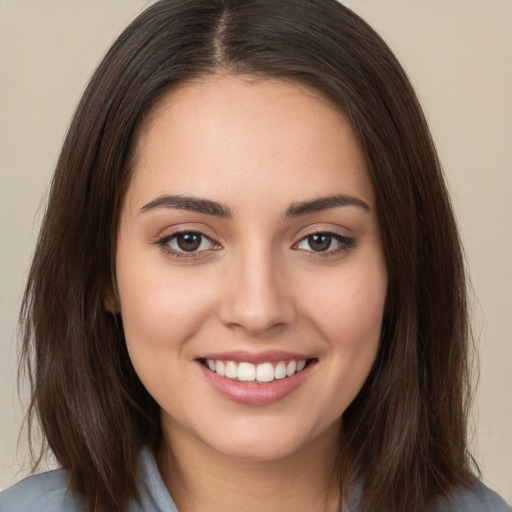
(257, 298)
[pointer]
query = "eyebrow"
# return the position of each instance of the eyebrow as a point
(208, 207)
(324, 203)
(192, 204)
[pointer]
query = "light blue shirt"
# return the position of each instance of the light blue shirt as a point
(49, 492)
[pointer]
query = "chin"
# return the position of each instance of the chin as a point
(264, 442)
(259, 450)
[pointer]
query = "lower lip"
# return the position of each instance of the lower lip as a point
(254, 393)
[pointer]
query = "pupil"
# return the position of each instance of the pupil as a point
(319, 242)
(188, 241)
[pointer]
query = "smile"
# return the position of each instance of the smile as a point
(262, 373)
(261, 382)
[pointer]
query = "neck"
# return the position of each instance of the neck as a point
(200, 478)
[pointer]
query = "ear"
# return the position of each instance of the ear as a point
(110, 301)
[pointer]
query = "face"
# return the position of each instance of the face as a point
(249, 266)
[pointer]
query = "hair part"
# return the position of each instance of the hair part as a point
(404, 436)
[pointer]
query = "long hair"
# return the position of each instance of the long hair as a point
(404, 436)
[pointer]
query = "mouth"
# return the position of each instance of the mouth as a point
(256, 379)
(263, 373)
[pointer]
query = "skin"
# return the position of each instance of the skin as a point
(257, 147)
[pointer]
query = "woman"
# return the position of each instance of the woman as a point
(248, 291)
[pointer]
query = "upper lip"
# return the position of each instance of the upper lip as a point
(271, 356)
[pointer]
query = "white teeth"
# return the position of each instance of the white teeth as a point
(280, 370)
(265, 372)
(231, 370)
(248, 372)
(219, 368)
(291, 367)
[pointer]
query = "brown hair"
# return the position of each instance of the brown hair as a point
(404, 435)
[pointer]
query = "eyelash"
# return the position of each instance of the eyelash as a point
(164, 242)
(345, 244)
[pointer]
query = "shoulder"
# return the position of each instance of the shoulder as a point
(477, 498)
(50, 492)
(45, 492)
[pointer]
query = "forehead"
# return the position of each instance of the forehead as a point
(225, 134)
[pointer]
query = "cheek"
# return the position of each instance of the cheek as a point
(350, 308)
(348, 315)
(161, 308)
(162, 311)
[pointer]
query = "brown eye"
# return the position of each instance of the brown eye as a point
(319, 241)
(328, 243)
(188, 242)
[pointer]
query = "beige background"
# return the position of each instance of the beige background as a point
(458, 54)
